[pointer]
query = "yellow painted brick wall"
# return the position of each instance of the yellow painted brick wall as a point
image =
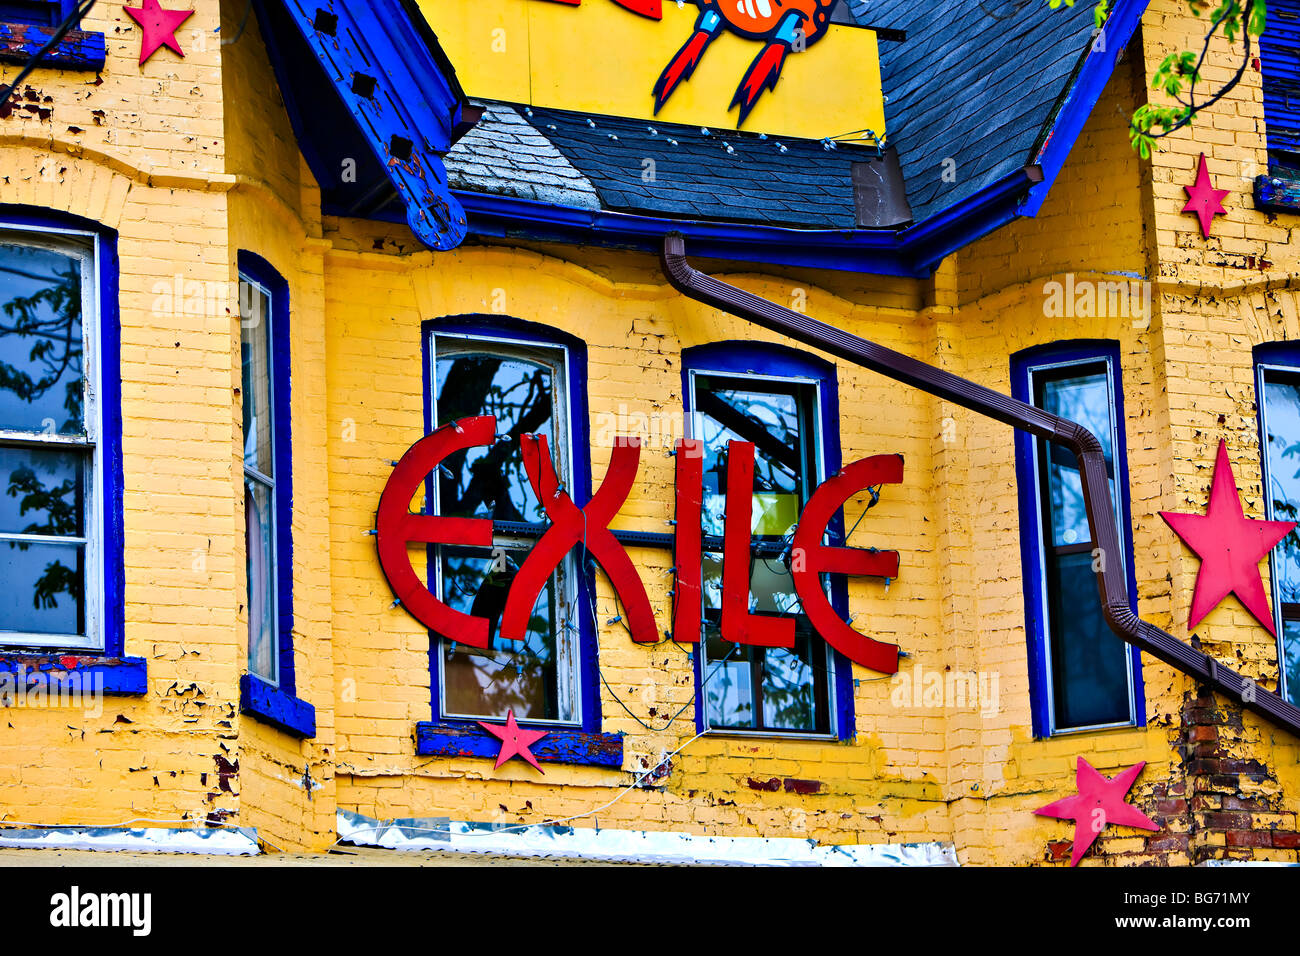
(193, 160)
(143, 153)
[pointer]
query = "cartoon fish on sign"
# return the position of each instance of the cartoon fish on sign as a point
(782, 25)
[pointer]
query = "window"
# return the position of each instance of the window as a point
(1278, 388)
(269, 688)
(1280, 63)
(51, 458)
(1082, 675)
(259, 482)
(777, 400)
(525, 386)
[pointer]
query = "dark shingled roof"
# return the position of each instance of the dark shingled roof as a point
(718, 174)
(972, 85)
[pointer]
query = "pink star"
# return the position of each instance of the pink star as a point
(1204, 200)
(515, 741)
(1099, 803)
(1230, 546)
(158, 27)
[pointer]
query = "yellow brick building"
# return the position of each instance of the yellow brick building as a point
(284, 256)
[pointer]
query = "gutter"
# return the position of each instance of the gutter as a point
(1082, 444)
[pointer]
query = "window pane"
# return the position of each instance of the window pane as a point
(41, 387)
(255, 341)
(1090, 665)
(43, 589)
(491, 482)
(1291, 660)
(753, 688)
(524, 676)
(44, 492)
(1084, 399)
(262, 643)
(729, 411)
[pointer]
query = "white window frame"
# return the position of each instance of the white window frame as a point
(568, 645)
(695, 425)
(1045, 637)
(84, 246)
(257, 477)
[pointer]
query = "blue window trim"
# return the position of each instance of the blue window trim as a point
(1285, 355)
(586, 745)
(122, 675)
(279, 706)
(1022, 363)
(26, 28)
(743, 358)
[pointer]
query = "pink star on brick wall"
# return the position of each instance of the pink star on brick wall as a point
(157, 27)
(1098, 804)
(1204, 200)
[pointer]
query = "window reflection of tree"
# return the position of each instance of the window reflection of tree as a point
(789, 683)
(519, 395)
(51, 318)
(508, 674)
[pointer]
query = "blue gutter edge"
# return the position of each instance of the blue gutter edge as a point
(913, 253)
(1082, 97)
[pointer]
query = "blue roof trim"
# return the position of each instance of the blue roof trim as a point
(404, 102)
(912, 253)
(1082, 97)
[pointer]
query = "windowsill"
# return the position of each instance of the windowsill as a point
(1279, 191)
(273, 706)
(70, 671)
(78, 50)
(560, 745)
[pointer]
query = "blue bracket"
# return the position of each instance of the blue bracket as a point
(400, 97)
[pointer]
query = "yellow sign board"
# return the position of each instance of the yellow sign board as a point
(783, 65)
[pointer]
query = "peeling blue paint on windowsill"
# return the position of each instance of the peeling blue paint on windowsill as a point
(275, 707)
(65, 674)
(78, 50)
(560, 745)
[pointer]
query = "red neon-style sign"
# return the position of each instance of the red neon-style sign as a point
(811, 559)
(588, 527)
(396, 526)
(572, 526)
(688, 543)
(739, 625)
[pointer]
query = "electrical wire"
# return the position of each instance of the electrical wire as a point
(60, 32)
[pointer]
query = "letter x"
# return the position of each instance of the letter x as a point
(572, 526)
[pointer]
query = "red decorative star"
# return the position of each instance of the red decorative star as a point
(1230, 546)
(1204, 200)
(515, 741)
(1099, 803)
(158, 27)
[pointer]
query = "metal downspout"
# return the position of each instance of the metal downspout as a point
(1081, 442)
